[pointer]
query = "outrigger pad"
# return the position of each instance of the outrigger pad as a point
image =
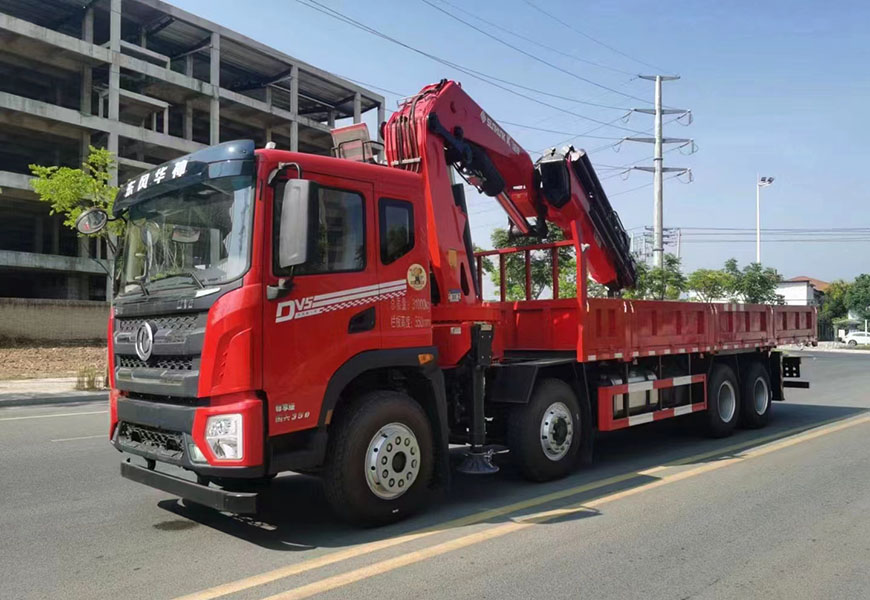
(478, 463)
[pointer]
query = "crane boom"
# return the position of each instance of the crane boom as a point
(443, 127)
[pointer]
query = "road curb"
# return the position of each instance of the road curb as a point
(11, 400)
(828, 351)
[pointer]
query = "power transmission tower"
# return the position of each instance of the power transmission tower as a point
(671, 236)
(657, 169)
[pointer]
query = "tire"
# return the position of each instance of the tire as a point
(723, 401)
(852, 343)
(359, 439)
(757, 396)
(544, 436)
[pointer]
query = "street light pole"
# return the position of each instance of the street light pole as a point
(760, 182)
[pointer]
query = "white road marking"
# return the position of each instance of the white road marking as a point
(84, 437)
(96, 412)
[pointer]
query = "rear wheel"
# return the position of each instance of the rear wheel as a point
(380, 459)
(852, 343)
(544, 435)
(757, 396)
(723, 401)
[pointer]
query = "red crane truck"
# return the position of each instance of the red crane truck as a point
(279, 311)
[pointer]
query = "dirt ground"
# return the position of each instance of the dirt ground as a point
(27, 361)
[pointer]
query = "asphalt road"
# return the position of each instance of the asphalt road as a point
(663, 513)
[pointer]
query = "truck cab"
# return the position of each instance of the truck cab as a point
(231, 359)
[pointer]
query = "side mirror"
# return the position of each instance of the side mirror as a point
(91, 221)
(297, 208)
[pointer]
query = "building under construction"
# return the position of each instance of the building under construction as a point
(149, 82)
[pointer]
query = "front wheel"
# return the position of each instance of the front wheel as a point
(544, 436)
(852, 343)
(380, 459)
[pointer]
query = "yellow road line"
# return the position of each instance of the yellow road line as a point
(370, 547)
(97, 412)
(379, 568)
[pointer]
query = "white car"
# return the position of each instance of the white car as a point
(857, 337)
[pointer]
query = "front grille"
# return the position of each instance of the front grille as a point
(176, 323)
(177, 400)
(170, 362)
(166, 444)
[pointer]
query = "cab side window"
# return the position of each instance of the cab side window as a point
(396, 218)
(340, 241)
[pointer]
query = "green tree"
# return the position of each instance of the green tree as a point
(659, 283)
(757, 284)
(541, 265)
(593, 290)
(72, 191)
(711, 284)
(834, 302)
(858, 296)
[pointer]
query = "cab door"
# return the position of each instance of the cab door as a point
(406, 315)
(329, 314)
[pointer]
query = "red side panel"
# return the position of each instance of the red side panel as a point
(612, 328)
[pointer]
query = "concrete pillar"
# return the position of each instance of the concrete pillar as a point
(330, 120)
(38, 239)
(85, 146)
(55, 235)
(294, 108)
(188, 107)
(114, 110)
(166, 120)
(357, 107)
(215, 80)
(87, 88)
(268, 101)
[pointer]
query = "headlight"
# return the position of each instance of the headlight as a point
(223, 434)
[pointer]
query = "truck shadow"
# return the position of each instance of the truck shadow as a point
(294, 515)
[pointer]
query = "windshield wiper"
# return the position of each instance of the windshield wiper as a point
(193, 276)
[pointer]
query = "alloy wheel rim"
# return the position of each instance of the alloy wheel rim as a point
(557, 431)
(392, 461)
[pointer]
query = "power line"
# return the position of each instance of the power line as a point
(778, 229)
(529, 54)
(589, 37)
(535, 42)
(626, 165)
(640, 187)
(314, 5)
(534, 128)
(784, 241)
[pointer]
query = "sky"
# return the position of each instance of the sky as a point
(776, 88)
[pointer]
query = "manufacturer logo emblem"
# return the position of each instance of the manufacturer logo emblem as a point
(417, 277)
(144, 341)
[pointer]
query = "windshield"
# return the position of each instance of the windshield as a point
(193, 236)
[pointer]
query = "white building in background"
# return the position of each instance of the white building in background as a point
(802, 291)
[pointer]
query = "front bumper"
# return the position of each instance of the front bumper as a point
(223, 500)
(165, 433)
